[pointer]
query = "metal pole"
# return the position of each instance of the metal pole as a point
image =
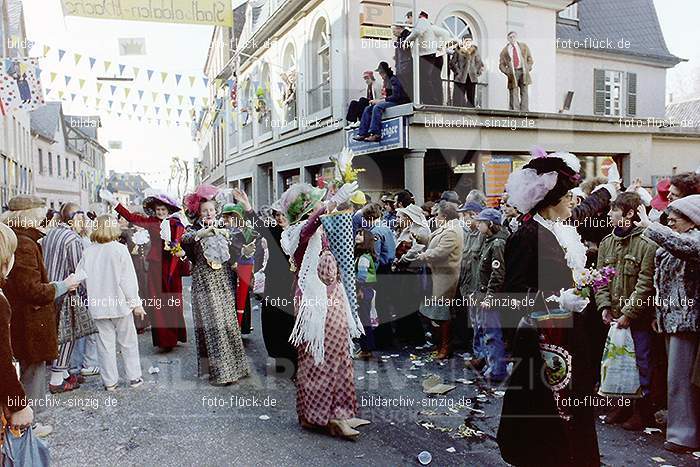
(416, 59)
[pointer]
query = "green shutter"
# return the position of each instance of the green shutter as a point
(599, 92)
(631, 94)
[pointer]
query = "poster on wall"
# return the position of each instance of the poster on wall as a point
(206, 12)
(20, 85)
(496, 173)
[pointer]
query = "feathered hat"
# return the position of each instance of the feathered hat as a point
(299, 200)
(153, 198)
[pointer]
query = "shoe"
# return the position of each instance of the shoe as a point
(341, 429)
(41, 431)
(477, 363)
(90, 371)
(641, 416)
(357, 422)
(363, 355)
(373, 139)
(134, 383)
(444, 351)
(111, 388)
(80, 379)
(677, 448)
(360, 138)
(618, 415)
(69, 384)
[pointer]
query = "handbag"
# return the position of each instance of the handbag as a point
(74, 320)
(24, 449)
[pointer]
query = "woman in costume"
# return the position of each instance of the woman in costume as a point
(325, 325)
(166, 265)
(220, 349)
(542, 257)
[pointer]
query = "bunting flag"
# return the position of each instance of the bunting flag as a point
(157, 110)
(111, 103)
(93, 60)
(107, 64)
(179, 99)
(99, 87)
(136, 71)
(97, 101)
(126, 93)
(192, 78)
(77, 58)
(67, 78)
(134, 106)
(113, 89)
(205, 101)
(177, 79)
(192, 98)
(167, 111)
(150, 73)
(206, 82)
(167, 98)
(47, 49)
(81, 82)
(61, 53)
(72, 97)
(163, 76)
(85, 100)
(140, 94)
(154, 96)
(121, 69)
(60, 94)
(52, 77)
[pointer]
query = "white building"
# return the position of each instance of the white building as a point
(608, 57)
(83, 137)
(15, 139)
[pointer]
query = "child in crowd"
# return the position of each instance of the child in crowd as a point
(366, 274)
(626, 301)
(113, 291)
(490, 278)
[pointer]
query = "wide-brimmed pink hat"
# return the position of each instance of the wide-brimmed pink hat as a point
(202, 193)
(660, 201)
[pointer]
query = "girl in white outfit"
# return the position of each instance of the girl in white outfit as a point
(113, 294)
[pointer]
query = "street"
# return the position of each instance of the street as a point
(176, 419)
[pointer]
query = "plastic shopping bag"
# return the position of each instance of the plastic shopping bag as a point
(373, 315)
(619, 375)
(24, 451)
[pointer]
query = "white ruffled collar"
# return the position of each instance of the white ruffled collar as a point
(570, 241)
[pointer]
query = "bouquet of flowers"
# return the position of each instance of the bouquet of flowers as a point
(588, 280)
(344, 172)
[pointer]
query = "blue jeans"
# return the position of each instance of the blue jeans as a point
(364, 306)
(490, 323)
(642, 354)
(84, 354)
(371, 121)
(478, 350)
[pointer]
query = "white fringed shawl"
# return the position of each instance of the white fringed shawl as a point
(310, 324)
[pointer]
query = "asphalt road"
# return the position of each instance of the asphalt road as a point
(176, 419)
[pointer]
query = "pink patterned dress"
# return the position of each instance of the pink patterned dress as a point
(326, 391)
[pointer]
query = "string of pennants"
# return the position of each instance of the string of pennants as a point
(106, 65)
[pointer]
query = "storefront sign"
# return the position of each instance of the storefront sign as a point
(209, 12)
(465, 169)
(376, 32)
(376, 18)
(393, 137)
(496, 173)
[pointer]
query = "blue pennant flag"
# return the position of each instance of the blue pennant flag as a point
(141, 94)
(37, 72)
(92, 62)
(177, 78)
(150, 73)
(134, 105)
(72, 96)
(67, 78)
(179, 112)
(121, 69)
(206, 82)
(167, 97)
(192, 98)
(110, 103)
(61, 53)
(113, 88)
(157, 110)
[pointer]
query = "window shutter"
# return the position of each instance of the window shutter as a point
(599, 92)
(631, 93)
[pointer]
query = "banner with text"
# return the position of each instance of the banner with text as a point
(207, 12)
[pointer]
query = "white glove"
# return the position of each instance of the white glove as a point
(344, 194)
(569, 301)
(108, 197)
(611, 187)
(645, 195)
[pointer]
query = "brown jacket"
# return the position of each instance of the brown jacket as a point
(466, 62)
(31, 296)
(444, 256)
(11, 392)
(506, 66)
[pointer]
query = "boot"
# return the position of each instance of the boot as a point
(641, 416)
(618, 415)
(444, 350)
(341, 429)
(357, 422)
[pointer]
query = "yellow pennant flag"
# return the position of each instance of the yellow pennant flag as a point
(163, 76)
(77, 58)
(47, 49)
(99, 87)
(205, 101)
(107, 65)
(82, 83)
(192, 79)
(53, 77)
(136, 71)
(126, 93)
(179, 99)
(168, 110)
(154, 95)
(60, 94)
(97, 102)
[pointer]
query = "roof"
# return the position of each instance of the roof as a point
(634, 21)
(687, 110)
(44, 119)
(126, 182)
(86, 124)
(238, 22)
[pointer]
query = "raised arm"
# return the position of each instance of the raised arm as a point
(133, 217)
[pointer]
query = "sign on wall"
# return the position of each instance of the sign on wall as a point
(394, 136)
(208, 12)
(496, 173)
(20, 85)
(376, 18)
(132, 46)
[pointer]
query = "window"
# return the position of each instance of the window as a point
(41, 162)
(74, 174)
(610, 89)
(263, 103)
(246, 112)
(50, 159)
(569, 13)
(457, 27)
(58, 165)
(289, 84)
(67, 169)
(320, 91)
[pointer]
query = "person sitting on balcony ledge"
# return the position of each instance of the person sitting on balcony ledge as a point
(371, 124)
(374, 91)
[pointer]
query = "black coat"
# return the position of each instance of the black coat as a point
(531, 431)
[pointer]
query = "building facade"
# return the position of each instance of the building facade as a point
(598, 89)
(15, 132)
